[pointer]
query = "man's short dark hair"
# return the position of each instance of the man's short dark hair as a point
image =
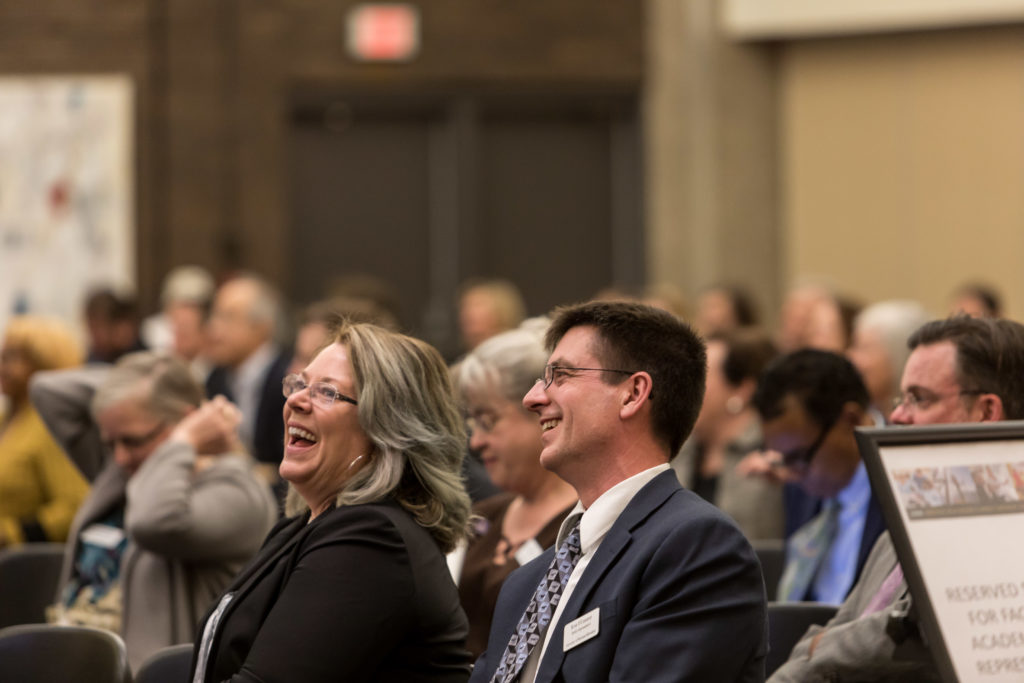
(822, 381)
(989, 356)
(987, 295)
(106, 305)
(637, 337)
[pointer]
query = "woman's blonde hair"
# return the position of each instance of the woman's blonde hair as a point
(48, 343)
(407, 409)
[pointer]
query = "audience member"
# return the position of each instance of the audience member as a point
(810, 402)
(830, 327)
(112, 322)
(245, 333)
(353, 585)
(960, 370)
(879, 348)
(648, 578)
(723, 308)
(727, 429)
(377, 296)
(185, 300)
(39, 489)
(514, 527)
(667, 297)
(487, 307)
(797, 316)
(319, 318)
(175, 512)
(977, 300)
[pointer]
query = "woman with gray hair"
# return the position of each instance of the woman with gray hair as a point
(513, 527)
(879, 349)
(173, 514)
(353, 585)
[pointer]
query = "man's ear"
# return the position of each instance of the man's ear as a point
(853, 414)
(640, 386)
(989, 408)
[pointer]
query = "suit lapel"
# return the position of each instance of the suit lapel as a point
(644, 503)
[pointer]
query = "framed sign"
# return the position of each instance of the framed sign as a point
(953, 498)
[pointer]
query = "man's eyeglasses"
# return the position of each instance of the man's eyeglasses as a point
(134, 442)
(560, 372)
(801, 457)
(914, 400)
(319, 392)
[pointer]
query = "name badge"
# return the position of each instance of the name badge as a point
(527, 551)
(102, 536)
(581, 630)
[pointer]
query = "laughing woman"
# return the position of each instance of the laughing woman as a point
(353, 585)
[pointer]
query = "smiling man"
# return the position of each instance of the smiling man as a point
(646, 582)
(960, 370)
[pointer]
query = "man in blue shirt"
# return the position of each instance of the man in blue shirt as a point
(810, 402)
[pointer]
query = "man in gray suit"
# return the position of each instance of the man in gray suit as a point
(960, 370)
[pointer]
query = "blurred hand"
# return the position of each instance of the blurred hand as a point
(212, 428)
(767, 465)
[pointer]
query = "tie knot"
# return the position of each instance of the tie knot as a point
(571, 528)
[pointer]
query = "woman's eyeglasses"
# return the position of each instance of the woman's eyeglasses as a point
(134, 442)
(319, 392)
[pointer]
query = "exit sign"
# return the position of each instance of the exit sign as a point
(383, 32)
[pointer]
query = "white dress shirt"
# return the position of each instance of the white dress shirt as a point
(246, 383)
(594, 526)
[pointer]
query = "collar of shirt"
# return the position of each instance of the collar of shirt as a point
(245, 389)
(856, 494)
(251, 370)
(601, 515)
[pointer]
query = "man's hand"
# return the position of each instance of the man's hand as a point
(767, 465)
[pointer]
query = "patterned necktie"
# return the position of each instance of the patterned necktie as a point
(534, 622)
(806, 551)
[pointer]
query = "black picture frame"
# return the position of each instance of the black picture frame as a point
(884, 452)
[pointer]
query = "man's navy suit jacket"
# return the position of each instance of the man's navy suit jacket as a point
(680, 593)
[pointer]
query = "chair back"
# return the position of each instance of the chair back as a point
(772, 556)
(787, 623)
(28, 582)
(43, 653)
(167, 665)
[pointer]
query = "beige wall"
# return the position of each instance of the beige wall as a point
(902, 163)
(711, 154)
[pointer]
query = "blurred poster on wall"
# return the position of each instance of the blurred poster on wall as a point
(66, 191)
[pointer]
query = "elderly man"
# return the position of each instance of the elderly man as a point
(648, 582)
(810, 403)
(960, 370)
(243, 331)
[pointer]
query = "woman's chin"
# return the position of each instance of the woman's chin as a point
(294, 472)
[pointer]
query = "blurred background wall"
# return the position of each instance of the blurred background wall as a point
(568, 145)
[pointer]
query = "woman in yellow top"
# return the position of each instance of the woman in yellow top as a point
(40, 489)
